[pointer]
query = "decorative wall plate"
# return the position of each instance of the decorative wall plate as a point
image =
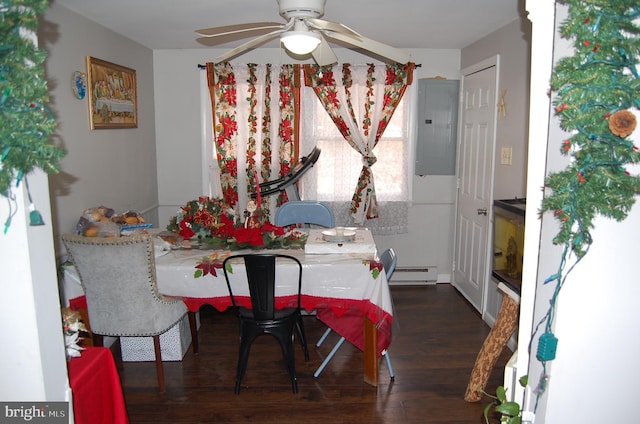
(79, 84)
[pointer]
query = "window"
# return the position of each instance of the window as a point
(340, 164)
(333, 178)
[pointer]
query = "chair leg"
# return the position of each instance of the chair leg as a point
(392, 375)
(194, 332)
(324, 336)
(302, 337)
(98, 340)
(247, 336)
(328, 358)
(159, 368)
(286, 343)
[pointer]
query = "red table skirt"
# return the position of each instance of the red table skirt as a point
(97, 392)
(344, 316)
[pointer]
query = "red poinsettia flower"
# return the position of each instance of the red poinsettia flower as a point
(208, 267)
(185, 230)
(252, 236)
(327, 78)
(230, 126)
(376, 265)
(391, 77)
(333, 98)
(228, 79)
(226, 229)
(285, 168)
(231, 167)
(268, 227)
(230, 195)
(285, 97)
(230, 96)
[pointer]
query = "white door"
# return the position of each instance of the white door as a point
(471, 259)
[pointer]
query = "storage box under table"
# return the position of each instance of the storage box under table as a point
(174, 344)
(362, 244)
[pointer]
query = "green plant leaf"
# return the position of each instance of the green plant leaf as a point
(486, 412)
(514, 420)
(501, 393)
(511, 409)
(197, 274)
(524, 380)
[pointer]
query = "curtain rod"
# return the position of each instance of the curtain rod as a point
(418, 65)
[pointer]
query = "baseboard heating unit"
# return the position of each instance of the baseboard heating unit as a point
(414, 275)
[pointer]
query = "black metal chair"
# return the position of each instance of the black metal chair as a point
(263, 317)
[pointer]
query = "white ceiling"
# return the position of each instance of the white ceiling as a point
(170, 24)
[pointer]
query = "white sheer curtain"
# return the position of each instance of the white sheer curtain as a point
(333, 179)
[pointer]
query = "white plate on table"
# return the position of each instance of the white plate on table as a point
(331, 236)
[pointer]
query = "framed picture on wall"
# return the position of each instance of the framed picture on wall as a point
(113, 97)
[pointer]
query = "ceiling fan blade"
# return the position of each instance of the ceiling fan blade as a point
(237, 29)
(379, 49)
(249, 45)
(323, 54)
(321, 24)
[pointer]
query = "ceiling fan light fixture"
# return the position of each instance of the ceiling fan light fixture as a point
(300, 42)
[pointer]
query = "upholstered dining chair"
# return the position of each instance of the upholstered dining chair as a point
(118, 276)
(262, 274)
(389, 260)
(304, 212)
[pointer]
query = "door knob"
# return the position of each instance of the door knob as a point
(482, 211)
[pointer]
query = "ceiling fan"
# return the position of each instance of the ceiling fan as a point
(304, 33)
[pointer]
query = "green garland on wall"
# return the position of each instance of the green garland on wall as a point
(25, 121)
(595, 88)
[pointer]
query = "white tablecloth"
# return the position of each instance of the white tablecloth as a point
(341, 283)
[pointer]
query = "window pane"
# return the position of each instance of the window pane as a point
(340, 164)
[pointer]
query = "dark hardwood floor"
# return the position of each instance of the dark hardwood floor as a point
(436, 339)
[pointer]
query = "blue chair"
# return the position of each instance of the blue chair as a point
(296, 212)
(389, 260)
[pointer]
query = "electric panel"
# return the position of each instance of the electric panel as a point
(437, 126)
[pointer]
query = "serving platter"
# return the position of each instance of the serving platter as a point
(332, 237)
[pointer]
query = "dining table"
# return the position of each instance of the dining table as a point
(344, 284)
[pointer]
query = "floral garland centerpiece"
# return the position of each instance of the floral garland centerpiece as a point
(213, 223)
(204, 218)
(216, 224)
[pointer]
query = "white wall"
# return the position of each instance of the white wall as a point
(111, 167)
(511, 43)
(33, 366)
(178, 130)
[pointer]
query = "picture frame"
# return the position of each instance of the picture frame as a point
(113, 96)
